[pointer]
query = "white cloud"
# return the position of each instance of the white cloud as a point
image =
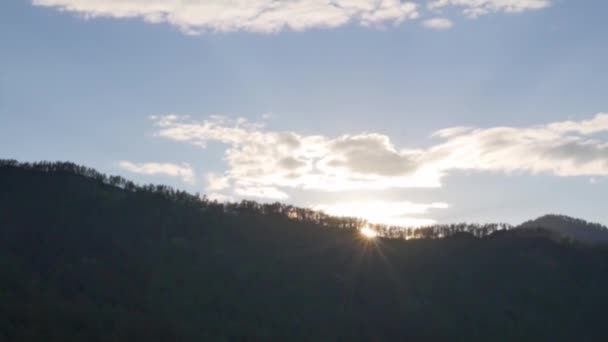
(216, 182)
(286, 159)
(399, 213)
(476, 8)
(438, 23)
(597, 124)
(196, 16)
(390, 11)
(565, 148)
(183, 171)
(260, 162)
(193, 16)
(268, 192)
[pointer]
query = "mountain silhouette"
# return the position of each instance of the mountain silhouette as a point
(570, 227)
(88, 257)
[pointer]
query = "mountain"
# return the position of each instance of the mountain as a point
(570, 227)
(87, 257)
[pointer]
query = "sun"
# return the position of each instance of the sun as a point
(369, 233)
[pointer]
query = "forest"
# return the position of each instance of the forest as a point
(90, 257)
(248, 207)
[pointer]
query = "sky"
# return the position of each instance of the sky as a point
(401, 112)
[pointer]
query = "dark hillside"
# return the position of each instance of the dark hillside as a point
(85, 257)
(570, 227)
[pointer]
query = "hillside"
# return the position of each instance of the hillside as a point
(569, 227)
(85, 257)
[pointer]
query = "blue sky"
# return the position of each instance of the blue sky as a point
(330, 104)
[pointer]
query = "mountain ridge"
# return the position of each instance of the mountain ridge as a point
(569, 227)
(566, 226)
(84, 260)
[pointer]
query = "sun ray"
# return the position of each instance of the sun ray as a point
(369, 233)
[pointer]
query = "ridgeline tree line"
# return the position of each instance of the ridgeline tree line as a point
(87, 257)
(247, 207)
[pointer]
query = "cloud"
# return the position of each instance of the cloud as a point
(217, 183)
(194, 16)
(264, 158)
(594, 180)
(597, 124)
(268, 192)
(476, 8)
(263, 163)
(566, 148)
(398, 213)
(183, 171)
(438, 23)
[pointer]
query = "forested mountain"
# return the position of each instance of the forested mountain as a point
(86, 257)
(569, 227)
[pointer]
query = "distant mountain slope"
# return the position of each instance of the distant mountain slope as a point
(86, 257)
(570, 227)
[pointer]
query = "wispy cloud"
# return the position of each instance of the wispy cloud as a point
(252, 190)
(438, 23)
(567, 148)
(398, 213)
(262, 162)
(183, 171)
(216, 182)
(476, 8)
(259, 157)
(196, 16)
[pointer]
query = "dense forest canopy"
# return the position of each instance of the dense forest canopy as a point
(87, 257)
(251, 207)
(597, 232)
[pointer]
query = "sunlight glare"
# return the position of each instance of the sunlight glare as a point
(396, 213)
(369, 233)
